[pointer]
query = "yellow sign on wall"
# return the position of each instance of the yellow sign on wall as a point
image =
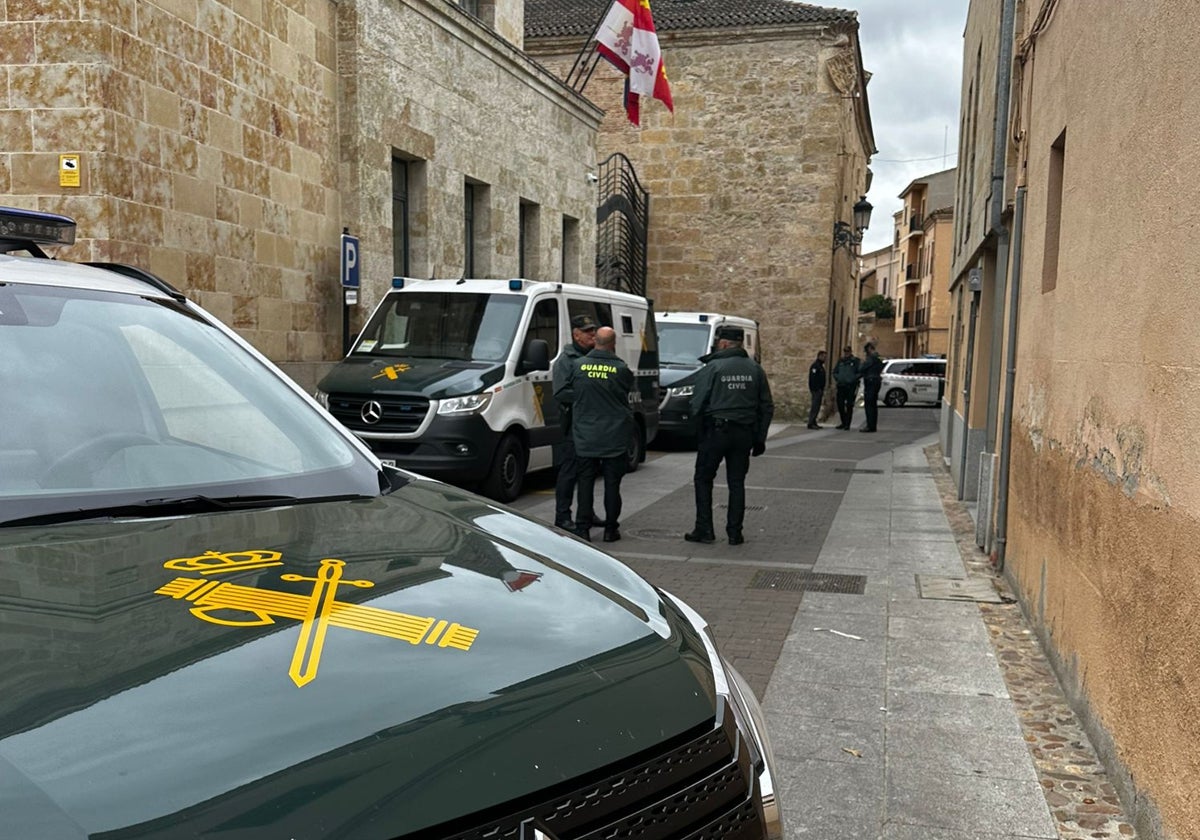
(68, 170)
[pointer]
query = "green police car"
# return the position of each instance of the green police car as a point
(222, 616)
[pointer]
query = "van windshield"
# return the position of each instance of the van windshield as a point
(682, 344)
(444, 325)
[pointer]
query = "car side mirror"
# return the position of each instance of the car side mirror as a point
(536, 356)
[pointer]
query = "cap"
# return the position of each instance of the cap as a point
(728, 333)
(583, 322)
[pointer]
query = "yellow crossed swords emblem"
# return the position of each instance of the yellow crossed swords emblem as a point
(392, 371)
(317, 611)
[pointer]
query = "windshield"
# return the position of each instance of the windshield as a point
(682, 344)
(115, 399)
(444, 325)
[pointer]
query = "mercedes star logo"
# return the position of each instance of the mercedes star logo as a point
(372, 412)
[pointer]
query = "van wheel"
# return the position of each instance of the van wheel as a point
(635, 451)
(896, 398)
(508, 470)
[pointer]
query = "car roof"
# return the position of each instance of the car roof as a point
(705, 317)
(916, 359)
(39, 271)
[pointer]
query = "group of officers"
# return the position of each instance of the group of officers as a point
(731, 406)
(847, 373)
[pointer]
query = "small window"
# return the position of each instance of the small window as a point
(544, 323)
(900, 368)
(627, 324)
(601, 312)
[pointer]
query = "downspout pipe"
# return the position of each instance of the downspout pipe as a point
(1010, 382)
(996, 227)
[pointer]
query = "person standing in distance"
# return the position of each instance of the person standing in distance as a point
(601, 426)
(845, 375)
(870, 371)
(816, 388)
(732, 405)
(583, 339)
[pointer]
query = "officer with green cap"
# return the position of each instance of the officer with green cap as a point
(732, 404)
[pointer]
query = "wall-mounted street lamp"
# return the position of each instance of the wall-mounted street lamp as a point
(847, 236)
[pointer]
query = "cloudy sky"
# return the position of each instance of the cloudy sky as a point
(913, 50)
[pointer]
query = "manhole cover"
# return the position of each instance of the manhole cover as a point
(808, 582)
(655, 534)
(958, 589)
(857, 472)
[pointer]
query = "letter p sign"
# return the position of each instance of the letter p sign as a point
(349, 261)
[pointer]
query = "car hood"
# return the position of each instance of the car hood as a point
(433, 378)
(357, 669)
(672, 375)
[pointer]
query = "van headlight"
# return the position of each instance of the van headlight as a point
(471, 404)
(322, 398)
(681, 391)
(751, 719)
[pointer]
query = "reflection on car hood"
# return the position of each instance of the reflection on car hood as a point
(355, 669)
(434, 378)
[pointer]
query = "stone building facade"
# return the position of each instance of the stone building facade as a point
(1093, 506)
(225, 145)
(768, 147)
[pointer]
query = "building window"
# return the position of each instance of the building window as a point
(570, 250)
(529, 240)
(471, 7)
(401, 219)
(1054, 197)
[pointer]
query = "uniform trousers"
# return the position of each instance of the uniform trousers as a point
(814, 409)
(730, 442)
(612, 469)
(871, 401)
(567, 463)
(845, 403)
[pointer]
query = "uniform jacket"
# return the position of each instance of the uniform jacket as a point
(602, 420)
(871, 368)
(816, 376)
(563, 394)
(732, 386)
(845, 372)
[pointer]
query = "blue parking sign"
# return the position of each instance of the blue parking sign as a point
(349, 261)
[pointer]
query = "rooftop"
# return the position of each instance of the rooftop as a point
(557, 18)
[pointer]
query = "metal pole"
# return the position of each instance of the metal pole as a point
(1010, 383)
(962, 469)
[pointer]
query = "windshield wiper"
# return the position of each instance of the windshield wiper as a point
(174, 506)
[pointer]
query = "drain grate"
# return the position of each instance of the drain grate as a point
(809, 582)
(748, 507)
(934, 587)
(857, 472)
(912, 470)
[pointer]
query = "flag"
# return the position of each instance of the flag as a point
(627, 39)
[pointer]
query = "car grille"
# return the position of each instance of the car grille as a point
(400, 412)
(704, 789)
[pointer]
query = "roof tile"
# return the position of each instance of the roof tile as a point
(556, 18)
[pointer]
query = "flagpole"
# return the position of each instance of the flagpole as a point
(581, 60)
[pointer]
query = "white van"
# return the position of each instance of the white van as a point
(451, 378)
(913, 380)
(683, 337)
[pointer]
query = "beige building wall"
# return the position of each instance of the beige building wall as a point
(768, 146)
(1104, 503)
(939, 239)
(225, 145)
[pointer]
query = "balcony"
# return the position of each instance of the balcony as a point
(916, 224)
(910, 274)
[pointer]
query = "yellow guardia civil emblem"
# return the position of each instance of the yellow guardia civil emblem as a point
(316, 612)
(393, 371)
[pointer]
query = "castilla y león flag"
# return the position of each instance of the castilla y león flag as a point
(627, 39)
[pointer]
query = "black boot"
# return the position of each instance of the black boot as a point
(735, 537)
(698, 536)
(612, 534)
(583, 532)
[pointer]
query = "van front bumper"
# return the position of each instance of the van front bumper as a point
(457, 450)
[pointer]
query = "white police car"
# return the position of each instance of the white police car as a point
(912, 380)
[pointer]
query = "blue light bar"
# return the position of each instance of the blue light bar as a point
(17, 225)
(514, 285)
(397, 282)
(703, 319)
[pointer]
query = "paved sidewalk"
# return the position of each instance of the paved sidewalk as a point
(889, 712)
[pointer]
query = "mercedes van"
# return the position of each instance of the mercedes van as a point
(451, 378)
(683, 338)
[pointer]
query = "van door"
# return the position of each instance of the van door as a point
(545, 428)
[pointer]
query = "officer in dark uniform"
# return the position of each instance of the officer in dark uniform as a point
(583, 339)
(732, 405)
(845, 374)
(870, 371)
(601, 426)
(816, 389)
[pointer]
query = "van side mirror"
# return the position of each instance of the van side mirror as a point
(536, 356)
